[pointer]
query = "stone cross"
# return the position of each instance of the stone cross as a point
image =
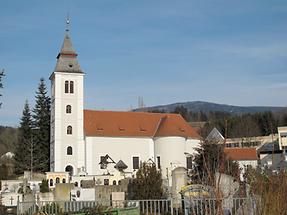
(11, 199)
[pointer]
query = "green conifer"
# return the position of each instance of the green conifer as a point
(148, 182)
(41, 116)
(22, 152)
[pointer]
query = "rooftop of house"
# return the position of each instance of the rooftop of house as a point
(136, 124)
(240, 154)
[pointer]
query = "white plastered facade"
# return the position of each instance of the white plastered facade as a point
(60, 120)
(171, 150)
(87, 150)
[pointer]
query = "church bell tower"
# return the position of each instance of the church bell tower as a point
(67, 136)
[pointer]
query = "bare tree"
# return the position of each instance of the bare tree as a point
(1, 82)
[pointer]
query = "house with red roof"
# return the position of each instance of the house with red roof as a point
(244, 156)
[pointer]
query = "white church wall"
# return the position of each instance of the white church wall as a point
(173, 152)
(191, 145)
(118, 148)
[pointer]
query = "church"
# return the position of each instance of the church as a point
(86, 141)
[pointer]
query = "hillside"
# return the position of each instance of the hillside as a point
(8, 139)
(197, 106)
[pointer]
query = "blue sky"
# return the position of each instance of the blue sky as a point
(232, 52)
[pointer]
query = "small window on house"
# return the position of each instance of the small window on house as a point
(71, 87)
(106, 181)
(57, 180)
(68, 109)
(114, 182)
(66, 86)
(51, 183)
(158, 162)
(64, 180)
(76, 184)
(69, 129)
(136, 162)
(119, 182)
(189, 162)
(69, 150)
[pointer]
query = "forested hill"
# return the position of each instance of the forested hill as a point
(233, 121)
(8, 139)
(205, 107)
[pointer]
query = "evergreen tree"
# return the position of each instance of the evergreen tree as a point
(41, 116)
(3, 172)
(148, 183)
(44, 186)
(22, 152)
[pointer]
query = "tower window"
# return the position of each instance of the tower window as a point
(66, 86)
(68, 109)
(69, 129)
(71, 87)
(69, 150)
(69, 169)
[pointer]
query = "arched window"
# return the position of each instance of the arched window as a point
(69, 169)
(57, 180)
(51, 183)
(114, 182)
(76, 184)
(71, 87)
(68, 109)
(66, 86)
(64, 180)
(69, 150)
(69, 129)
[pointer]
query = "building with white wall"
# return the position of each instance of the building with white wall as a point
(83, 141)
(246, 157)
(282, 135)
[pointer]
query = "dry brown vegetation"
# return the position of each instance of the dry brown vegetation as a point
(270, 191)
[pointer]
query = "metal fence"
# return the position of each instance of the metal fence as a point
(226, 206)
(192, 206)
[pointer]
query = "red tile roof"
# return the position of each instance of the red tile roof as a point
(238, 154)
(136, 124)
